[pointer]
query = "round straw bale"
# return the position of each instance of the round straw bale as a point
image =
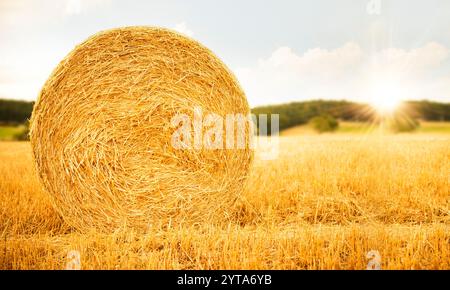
(101, 132)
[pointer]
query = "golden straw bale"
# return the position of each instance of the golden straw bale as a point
(101, 132)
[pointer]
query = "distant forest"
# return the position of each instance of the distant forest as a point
(291, 114)
(298, 113)
(15, 112)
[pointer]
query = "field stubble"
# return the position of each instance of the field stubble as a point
(323, 204)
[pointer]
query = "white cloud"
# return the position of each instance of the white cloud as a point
(346, 72)
(428, 56)
(316, 60)
(182, 28)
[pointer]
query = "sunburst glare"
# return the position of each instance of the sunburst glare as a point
(386, 98)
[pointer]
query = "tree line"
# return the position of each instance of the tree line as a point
(15, 112)
(290, 114)
(298, 113)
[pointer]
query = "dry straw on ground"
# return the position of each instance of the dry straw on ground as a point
(101, 132)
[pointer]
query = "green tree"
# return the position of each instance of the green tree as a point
(324, 123)
(15, 112)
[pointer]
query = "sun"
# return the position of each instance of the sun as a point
(385, 105)
(386, 98)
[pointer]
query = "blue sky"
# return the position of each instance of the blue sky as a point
(280, 50)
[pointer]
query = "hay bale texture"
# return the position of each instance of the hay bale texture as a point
(101, 132)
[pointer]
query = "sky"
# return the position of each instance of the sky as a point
(280, 51)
